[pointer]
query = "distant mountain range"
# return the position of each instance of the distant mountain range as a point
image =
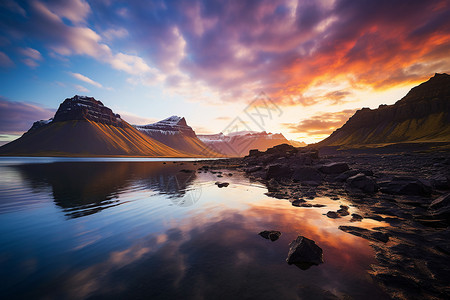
(423, 115)
(175, 133)
(83, 126)
(240, 143)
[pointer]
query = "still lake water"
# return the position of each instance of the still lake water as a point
(141, 229)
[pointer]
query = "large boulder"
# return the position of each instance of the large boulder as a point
(304, 253)
(334, 168)
(302, 174)
(362, 182)
(278, 171)
(406, 186)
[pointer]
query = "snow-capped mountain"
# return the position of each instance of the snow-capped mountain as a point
(241, 142)
(177, 134)
(83, 126)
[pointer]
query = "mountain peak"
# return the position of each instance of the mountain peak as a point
(86, 108)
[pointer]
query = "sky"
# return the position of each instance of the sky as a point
(297, 67)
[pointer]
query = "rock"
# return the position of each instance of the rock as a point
(254, 152)
(186, 171)
(366, 233)
(306, 205)
(278, 171)
(319, 205)
(252, 169)
(442, 201)
(298, 202)
(356, 218)
(222, 184)
(441, 182)
(362, 182)
(307, 174)
(333, 215)
(272, 235)
(406, 186)
(343, 211)
(440, 208)
(304, 253)
(334, 168)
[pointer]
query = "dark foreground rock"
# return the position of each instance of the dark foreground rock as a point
(404, 185)
(334, 168)
(222, 184)
(362, 183)
(304, 253)
(272, 235)
(412, 205)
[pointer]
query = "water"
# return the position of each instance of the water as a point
(122, 229)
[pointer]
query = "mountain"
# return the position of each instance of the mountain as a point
(175, 133)
(83, 126)
(240, 143)
(423, 115)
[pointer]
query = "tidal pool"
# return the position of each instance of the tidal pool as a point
(76, 229)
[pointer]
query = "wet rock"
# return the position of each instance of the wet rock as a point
(272, 235)
(306, 205)
(440, 208)
(441, 202)
(298, 202)
(366, 233)
(406, 186)
(362, 182)
(356, 218)
(334, 168)
(304, 253)
(222, 184)
(333, 215)
(319, 205)
(307, 174)
(343, 211)
(278, 171)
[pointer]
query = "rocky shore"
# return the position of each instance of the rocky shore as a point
(409, 191)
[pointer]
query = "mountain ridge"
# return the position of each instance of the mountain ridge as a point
(422, 115)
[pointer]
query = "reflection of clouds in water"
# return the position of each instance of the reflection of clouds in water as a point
(85, 188)
(225, 258)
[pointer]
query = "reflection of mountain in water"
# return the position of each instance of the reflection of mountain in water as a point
(84, 188)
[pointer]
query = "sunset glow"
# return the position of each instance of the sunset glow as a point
(319, 61)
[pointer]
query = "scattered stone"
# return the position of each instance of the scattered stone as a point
(343, 211)
(406, 186)
(272, 235)
(304, 253)
(186, 171)
(333, 215)
(362, 183)
(367, 234)
(319, 205)
(334, 168)
(356, 218)
(222, 184)
(298, 202)
(306, 205)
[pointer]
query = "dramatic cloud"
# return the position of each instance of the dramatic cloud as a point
(232, 50)
(86, 79)
(321, 124)
(17, 117)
